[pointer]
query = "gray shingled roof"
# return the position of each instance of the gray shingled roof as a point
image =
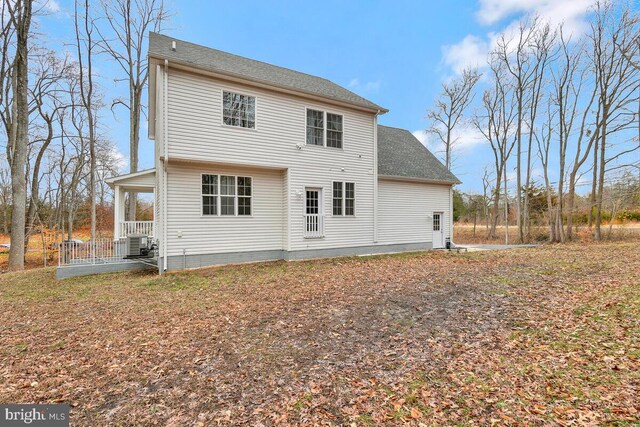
(401, 154)
(237, 66)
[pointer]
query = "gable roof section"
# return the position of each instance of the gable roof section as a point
(205, 58)
(401, 155)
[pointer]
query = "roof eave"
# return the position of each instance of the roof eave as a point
(112, 181)
(259, 83)
(417, 179)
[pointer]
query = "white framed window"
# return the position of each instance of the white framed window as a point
(209, 194)
(238, 110)
(315, 127)
(337, 197)
(244, 195)
(324, 129)
(226, 195)
(334, 130)
(344, 198)
(349, 198)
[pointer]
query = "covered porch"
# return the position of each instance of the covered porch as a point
(137, 182)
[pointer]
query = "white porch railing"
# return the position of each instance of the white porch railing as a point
(135, 227)
(97, 251)
(313, 226)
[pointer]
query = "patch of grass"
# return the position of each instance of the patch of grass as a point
(365, 419)
(177, 282)
(58, 345)
(302, 402)
(504, 280)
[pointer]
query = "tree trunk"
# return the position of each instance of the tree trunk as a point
(603, 144)
(594, 183)
(22, 20)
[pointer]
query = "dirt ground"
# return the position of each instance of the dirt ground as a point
(549, 335)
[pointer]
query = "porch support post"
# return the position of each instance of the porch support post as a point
(118, 211)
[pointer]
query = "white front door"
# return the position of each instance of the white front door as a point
(438, 230)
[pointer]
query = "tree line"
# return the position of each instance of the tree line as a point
(52, 105)
(564, 103)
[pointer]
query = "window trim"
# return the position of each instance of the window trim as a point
(344, 198)
(218, 196)
(222, 123)
(324, 126)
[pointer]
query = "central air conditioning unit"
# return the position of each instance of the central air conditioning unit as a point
(138, 246)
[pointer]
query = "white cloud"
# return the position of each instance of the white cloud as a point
(473, 50)
(422, 136)
(52, 6)
(465, 138)
(372, 86)
(556, 11)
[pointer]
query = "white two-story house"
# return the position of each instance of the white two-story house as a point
(258, 162)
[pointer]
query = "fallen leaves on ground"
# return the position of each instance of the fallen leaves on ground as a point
(549, 335)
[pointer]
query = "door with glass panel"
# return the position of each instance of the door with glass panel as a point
(313, 218)
(438, 230)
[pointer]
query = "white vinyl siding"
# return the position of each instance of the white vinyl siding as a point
(196, 133)
(205, 234)
(405, 211)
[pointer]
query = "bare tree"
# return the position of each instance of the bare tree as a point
(20, 14)
(544, 137)
(85, 47)
(516, 56)
(579, 77)
(130, 21)
(614, 33)
(541, 54)
(449, 109)
(5, 195)
(47, 99)
(495, 122)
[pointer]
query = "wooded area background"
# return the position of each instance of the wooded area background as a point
(57, 157)
(546, 99)
(565, 103)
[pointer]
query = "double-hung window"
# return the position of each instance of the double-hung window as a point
(226, 195)
(238, 110)
(344, 198)
(324, 129)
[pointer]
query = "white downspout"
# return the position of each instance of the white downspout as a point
(165, 141)
(375, 177)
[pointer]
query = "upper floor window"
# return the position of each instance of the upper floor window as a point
(238, 110)
(315, 127)
(322, 126)
(226, 195)
(334, 130)
(344, 198)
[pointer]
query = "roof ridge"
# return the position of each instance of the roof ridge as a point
(243, 57)
(395, 127)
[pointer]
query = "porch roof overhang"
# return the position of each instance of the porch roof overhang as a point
(142, 181)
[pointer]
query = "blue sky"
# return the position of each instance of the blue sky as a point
(394, 53)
